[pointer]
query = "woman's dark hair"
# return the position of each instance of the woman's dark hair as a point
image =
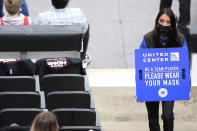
(172, 34)
(59, 4)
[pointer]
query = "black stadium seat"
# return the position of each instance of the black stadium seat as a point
(63, 82)
(64, 128)
(41, 38)
(75, 117)
(16, 128)
(39, 41)
(17, 83)
(19, 100)
(80, 128)
(19, 116)
(68, 99)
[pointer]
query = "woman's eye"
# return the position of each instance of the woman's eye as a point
(161, 20)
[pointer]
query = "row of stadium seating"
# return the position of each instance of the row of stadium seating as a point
(69, 104)
(76, 95)
(63, 91)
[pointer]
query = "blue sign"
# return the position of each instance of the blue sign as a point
(162, 74)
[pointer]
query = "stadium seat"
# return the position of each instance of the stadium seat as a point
(64, 128)
(34, 39)
(19, 116)
(63, 82)
(75, 117)
(17, 83)
(80, 128)
(19, 100)
(15, 128)
(68, 99)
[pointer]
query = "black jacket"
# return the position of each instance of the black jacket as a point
(16, 67)
(150, 43)
(64, 65)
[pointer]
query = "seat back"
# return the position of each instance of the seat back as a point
(62, 82)
(35, 39)
(63, 99)
(17, 83)
(41, 38)
(15, 128)
(80, 128)
(19, 100)
(19, 116)
(75, 117)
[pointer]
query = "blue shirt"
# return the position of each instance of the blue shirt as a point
(66, 16)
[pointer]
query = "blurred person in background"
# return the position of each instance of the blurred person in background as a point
(24, 7)
(61, 14)
(14, 16)
(184, 19)
(184, 10)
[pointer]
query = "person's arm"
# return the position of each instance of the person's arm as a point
(143, 44)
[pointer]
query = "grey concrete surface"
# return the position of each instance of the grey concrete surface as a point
(119, 111)
(117, 26)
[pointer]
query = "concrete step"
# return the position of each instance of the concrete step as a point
(143, 126)
(119, 111)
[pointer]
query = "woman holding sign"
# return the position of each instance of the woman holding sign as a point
(164, 35)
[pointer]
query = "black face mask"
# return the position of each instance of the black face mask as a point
(163, 29)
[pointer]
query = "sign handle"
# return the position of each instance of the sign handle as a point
(140, 75)
(183, 74)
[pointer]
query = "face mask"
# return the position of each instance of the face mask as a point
(163, 29)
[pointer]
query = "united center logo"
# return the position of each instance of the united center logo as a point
(163, 92)
(174, 56)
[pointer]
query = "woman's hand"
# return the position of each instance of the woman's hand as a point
(190, 96)
(136, 99)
